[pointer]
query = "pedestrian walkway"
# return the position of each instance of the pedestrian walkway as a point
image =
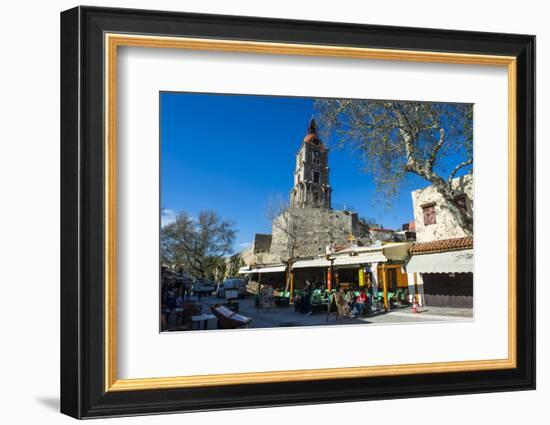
(278, 317)
(436, 313)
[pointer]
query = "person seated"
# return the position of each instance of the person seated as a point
(360, 303)
(349, 296)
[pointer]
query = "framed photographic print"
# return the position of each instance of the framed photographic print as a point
(261, 212)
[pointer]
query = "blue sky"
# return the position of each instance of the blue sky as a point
(229, 153)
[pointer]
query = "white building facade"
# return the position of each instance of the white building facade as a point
(432, 217)
(441, 263)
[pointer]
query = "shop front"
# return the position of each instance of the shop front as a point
(315, 270)
(443, 272)
(269, 274)
(378, 270)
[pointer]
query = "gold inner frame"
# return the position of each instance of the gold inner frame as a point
(113, 41)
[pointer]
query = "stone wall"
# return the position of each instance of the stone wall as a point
(262, 243)
(318, 228)
(445, 227)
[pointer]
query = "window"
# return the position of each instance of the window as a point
(461, 202)
(316, 157)
(429, 214)
(316, 177)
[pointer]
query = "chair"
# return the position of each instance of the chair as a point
(342, 308)
(187, 318)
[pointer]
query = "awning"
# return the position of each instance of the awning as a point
(269, 269)
(314, 262)
(246, 270)
(442, 262)
(370, 257)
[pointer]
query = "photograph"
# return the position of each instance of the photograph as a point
(281, 211)
(269, 211)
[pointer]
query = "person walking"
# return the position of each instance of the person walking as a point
(306, 298)
(188, 287)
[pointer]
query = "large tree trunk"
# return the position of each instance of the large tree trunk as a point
(425, 170)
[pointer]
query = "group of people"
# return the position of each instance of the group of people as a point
(170, 300)
(358, 305)
(173, 297)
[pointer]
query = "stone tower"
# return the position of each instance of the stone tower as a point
(311, 184)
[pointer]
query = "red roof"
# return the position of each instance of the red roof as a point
(310, 138)
(442, 245)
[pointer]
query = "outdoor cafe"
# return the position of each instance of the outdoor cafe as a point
(378, 270)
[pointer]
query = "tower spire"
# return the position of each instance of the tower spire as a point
(312, 129)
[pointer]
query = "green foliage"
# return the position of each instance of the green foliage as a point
(200, 244)
(232, 265)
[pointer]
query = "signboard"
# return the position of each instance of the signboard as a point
(231, 294)
(361, 278)
(267, 300)
(341, 304)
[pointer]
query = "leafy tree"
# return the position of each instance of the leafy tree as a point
(398, 138)
(199, 244)
(232, 265)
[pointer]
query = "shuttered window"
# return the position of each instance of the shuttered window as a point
(429, 214)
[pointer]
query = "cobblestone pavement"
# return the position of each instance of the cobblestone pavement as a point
(286, 317)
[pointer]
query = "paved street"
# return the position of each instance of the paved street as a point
(286, 317)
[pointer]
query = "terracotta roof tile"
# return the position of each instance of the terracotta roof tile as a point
(442, 245)
(380, 229)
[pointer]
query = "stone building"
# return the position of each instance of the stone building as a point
(311, 176)
(310, 225)
(441, 264)
(433, 220)
(317, 229)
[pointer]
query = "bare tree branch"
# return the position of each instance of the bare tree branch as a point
(396, 138)
(458, 167)
(199, 243)
(436, 149)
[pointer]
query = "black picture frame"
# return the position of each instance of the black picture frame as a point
(83, 392)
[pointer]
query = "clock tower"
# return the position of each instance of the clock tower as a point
(311, 183)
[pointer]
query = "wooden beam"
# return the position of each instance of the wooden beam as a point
(291, 300)
(385, 286)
